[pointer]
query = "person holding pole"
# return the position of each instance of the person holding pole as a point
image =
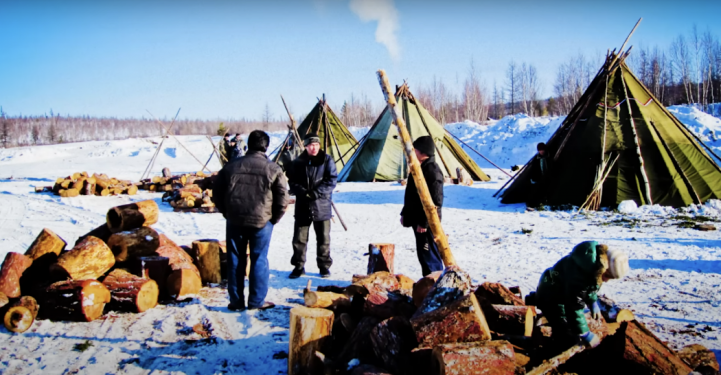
(413, 215)
(312, 179)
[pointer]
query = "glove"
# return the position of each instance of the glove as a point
(590, 340)
(595, 310)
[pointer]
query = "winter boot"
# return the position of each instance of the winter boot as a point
(297, 272)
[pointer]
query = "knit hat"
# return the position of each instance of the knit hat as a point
(617, 263)
(311, 138)
(425, 145)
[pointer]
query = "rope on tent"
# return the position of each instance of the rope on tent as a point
(622, 101)
(638, 147)
(160, 146)
(479, 154)
(593, 201)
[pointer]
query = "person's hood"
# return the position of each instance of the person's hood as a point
(584, 256)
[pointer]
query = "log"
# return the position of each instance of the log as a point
(69, 193)
(423, 286)
(132, 216)
(3, 299)
(102, 232)
(12, 270)
(166, 172)
(393, 340)
(359, 345)
(384, 305)
(421, 361)
(89, 259)
(550, 365)
(511, 320)
(309, 330)
(21, 314)
(153, 267)
(327, 300)
(380, 257)
(75, 300)
(625, 315)
(206, 254)
(377, 282)
(475, 358)
(134, 243)
(46, 242)
(699, 359)
(405, 283)
(460, 321)
(453, 285)
(497, 294)
(184, 278)
(130, 293)
(635, 350)
(331, 288)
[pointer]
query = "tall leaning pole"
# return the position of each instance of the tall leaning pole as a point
(428, 206)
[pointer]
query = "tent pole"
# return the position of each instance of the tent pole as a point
(157, 150)
(638, 147)
(428, 206)
(479, 154)
(335, 141)
(438, 149)
(293, 127)
(514, 177)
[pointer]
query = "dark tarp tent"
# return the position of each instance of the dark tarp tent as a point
(380, 155)
(620, 143)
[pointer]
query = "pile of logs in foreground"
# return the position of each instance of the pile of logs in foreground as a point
(187, 192)
(123, 265)
(81, 183)
(383, 323)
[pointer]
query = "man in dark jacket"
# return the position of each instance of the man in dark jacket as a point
(251, 194)
(312, 180)
(413, 214)
(224, 149)
(540, 167)
(238, 147)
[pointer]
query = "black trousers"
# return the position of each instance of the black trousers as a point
(300, 243)
(428, 253)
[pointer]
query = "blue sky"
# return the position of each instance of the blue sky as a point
(228, 59)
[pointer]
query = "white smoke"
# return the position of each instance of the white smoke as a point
(386, 14)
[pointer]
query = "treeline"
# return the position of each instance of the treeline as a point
(53, 129)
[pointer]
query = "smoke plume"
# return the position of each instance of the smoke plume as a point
(386, 14)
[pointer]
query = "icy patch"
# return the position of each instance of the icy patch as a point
(627, 207)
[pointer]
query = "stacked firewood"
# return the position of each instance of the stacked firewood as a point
(186, 192)
(123, 265)
(80, 183)
(384, 323)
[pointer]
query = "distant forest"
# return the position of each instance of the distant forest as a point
(687, 71)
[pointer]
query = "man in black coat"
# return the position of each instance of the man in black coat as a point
(312, 179)
(540, 167)
(251, 194)
(413, 214)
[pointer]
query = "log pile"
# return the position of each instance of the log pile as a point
(81, 183)
(442, 324)
(186, 192)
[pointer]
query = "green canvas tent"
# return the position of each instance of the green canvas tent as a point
(335, 139)
(620, 143)
(380, 155)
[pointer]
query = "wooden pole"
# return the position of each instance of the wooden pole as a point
(642, 167)
(160, 146)
(177, 140)
(428, 206)
(294, 128)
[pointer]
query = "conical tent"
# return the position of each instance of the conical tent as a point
(335, 139)
(620, 143)
(380, 155)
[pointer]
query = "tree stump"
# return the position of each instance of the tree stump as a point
(153, 267)
(423, 286)
(12, 270)
(510, 320)
(207, 259)
(309, 330)
(133, 243)
(393, 340)
(700, 359)
(21, 314)
(377, 282)
(184, 278)
(453, 284)
(475, 358)
(130, 293)
(46, 242)
(380, 257)
(497, 294)
(459, 321)
(132, 216)
(326, 300)
(166, 173)
(89, 259)
(76, 300)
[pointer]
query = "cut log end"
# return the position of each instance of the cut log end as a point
(21, 314)
(183, 283)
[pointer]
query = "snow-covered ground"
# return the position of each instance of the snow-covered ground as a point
(673, 287)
